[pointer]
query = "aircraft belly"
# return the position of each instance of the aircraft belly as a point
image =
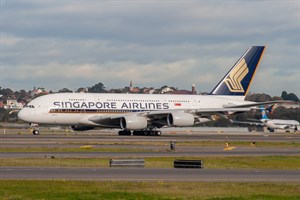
(64, 119)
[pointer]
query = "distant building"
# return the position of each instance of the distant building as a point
(13, 104)
(194, 89)
(82, 90)
(166, 90)
(135, 90)
(38, 91)
(147, 90)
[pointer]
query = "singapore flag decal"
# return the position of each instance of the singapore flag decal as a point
(177, 104)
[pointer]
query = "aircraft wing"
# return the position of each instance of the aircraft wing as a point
(249, 105)
(213, 111)
(157, 118)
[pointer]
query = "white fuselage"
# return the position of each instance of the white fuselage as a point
(74, 108)
(280, 123)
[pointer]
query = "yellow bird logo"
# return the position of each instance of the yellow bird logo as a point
(233, 81)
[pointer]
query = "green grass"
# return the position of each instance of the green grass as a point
(239, 143)
(164, 146)
(236, 162)
(48, 190)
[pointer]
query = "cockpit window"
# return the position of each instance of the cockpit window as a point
(29, 106)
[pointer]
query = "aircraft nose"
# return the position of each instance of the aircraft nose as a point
(22, 115)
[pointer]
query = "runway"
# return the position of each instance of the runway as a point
(138, 174)
(204, 151)
(134, 146)
(19, 136)
(144, 147)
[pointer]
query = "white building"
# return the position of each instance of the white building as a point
(13, 104)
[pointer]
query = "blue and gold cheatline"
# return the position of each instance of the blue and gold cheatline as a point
(238, 79)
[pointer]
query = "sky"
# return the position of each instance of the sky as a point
(71, 44)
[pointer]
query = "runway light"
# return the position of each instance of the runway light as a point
(253, 144)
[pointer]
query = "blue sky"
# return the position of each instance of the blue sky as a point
(57, 44)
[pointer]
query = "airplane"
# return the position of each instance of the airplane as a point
(271, 124)
(145, 114)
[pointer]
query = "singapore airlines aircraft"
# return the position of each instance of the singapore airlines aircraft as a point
(144, 114)
(272, 124)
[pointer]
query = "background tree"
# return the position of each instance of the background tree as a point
(65, 90)
(98, 88)
(290, 96)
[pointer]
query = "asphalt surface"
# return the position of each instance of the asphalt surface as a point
(205, 151)
(142, 174)
(18, 138)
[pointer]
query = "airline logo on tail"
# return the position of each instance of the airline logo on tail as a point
(233, 81)
(263, 113)
(237, 81)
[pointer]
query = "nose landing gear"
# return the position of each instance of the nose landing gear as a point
(35, 128)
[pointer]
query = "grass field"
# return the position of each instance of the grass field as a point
(236, 162)
(75, 190)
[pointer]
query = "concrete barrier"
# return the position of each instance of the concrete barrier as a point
(127, 163)
(188, 164)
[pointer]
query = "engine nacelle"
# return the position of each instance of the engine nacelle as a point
(133, 122)
(180, 119)
(81, 128)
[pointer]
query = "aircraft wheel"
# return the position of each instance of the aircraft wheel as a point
(158, 133)
(147, 133)
(35, 132)
(125, 133)
(121, 132)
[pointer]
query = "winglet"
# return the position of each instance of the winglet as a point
(237, 81)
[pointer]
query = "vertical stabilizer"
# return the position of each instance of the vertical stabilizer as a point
(263, 113)
(237, 81)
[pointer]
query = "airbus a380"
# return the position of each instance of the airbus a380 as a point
(145, 113)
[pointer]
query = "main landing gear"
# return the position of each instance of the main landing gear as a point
(141, 133)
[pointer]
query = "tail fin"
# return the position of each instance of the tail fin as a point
(237, 81)
(271, 108)
(263, 112)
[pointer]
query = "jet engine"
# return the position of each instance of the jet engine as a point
(180, 119)
(133, 122)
